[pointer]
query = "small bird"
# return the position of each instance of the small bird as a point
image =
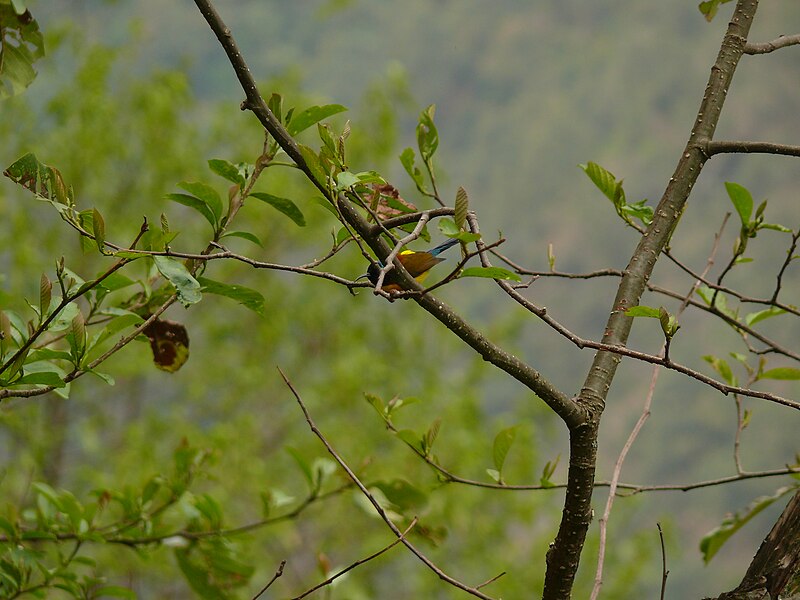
(418, 265)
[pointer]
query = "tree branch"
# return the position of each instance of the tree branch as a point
(713, 148)
(765, 47)
(775, 569)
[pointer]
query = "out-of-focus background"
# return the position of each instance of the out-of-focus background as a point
(134, 97)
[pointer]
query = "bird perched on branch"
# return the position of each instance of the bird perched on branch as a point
(418, 265)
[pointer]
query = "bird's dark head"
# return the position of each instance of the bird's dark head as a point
(373, 273)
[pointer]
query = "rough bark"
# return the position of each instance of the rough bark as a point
(775, 570)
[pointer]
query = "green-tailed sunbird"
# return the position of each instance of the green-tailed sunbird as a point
(418, 265)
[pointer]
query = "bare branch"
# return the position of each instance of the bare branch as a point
(789, 258)
(766, 47)
(744, 147)
(357, 563)
(664, 571)
(277, 574)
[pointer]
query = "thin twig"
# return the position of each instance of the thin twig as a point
(488, 581)
(357, 563)
(737, 459)
(771, 46)
(789, 258)
(664, 571)
(371, 498)
(277, 574)
(745, 147)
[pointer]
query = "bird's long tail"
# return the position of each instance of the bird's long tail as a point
(442, 247)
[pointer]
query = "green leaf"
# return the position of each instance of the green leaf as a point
(194, 203)
(709, 8)
(210, 509)
(21, 45)
(41, 378)
(721, 367)
(283, 205)
(643, 311)
(275, 104)
(245, 235)
(247, 297)
(64, 318)
(40, 179)
(783, 373)
(407, 159)
(775, 227)
(86, 220)
(376, 402)
(491, 273)
(313, 163)
(77, 337)
(502, 444)
(403, 495)
(227, 170)
(45, 295)
(547, 473)
(128, 254)
(427, 134)
(312, 115)
(305, 468)
(6, 335)
(104, 377)
(99, 230)
(397, 403)
(755, 317)
(326, 204)
(198, 576)
(116, 281)
(345, 180)
(714, 540)
(207, 194)
(462, 205)
(8, 528)
(156, 240)
(639, 210)
(431, 435)
(326, 136)
(669, 324)
(45, 491)
(742, 201)
(121, 320)
(412, 439)
(449, 228)
(366, 177)
(186, 286)
(603, 179)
